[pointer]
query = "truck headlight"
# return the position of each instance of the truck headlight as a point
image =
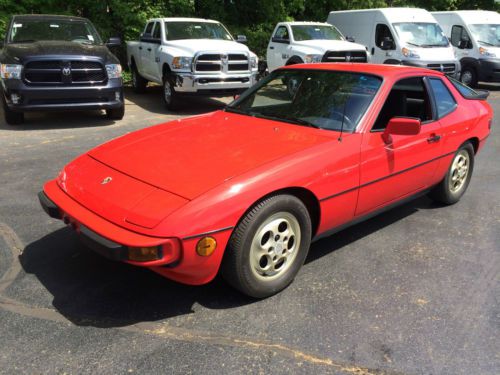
(10, 71)
(254, 62)
(114, 70)
(313, 58)
(182, 62)
(483, 51)
(410, 53)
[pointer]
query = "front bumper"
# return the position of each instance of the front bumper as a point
(113, 241)
(46, 98)
(489, 70)
(435, 65)
(213, 84)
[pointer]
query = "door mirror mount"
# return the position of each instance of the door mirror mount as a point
(241, 39)
(350, 39)
(401, 126)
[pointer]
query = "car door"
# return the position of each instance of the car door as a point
(277, 55)
(393, 170)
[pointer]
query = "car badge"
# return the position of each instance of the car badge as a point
(224, 59)
(107, 180)
(347, 57)
(66, 71)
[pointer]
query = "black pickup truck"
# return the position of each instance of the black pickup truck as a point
(58, 63)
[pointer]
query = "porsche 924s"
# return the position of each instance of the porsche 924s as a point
(244, 190)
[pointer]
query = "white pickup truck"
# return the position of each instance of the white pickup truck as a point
(310, 42)
(191, 56)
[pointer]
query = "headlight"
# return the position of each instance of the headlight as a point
(410, 53)
(313, 58)
(485, 52)
(114, 70)
(254, 62)
(11, 71)
(182, 62)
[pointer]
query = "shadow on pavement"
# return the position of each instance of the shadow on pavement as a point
(91, 290)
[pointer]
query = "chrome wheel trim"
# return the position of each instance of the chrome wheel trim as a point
(275, 246)
(167, 92)
(459, 171)
(466, 77)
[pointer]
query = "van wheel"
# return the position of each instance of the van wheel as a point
(170, 97)
(456, 181)
(11, 117)
(138, 82)
(116, 113)
(268, 247)
(469, 76)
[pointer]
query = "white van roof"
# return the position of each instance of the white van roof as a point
(395, 15)
(472, 17)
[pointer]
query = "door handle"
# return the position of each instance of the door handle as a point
(140, 47)
(433, 138)
(373, 50)
(271, 47)
(149, 49)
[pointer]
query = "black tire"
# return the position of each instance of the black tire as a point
(169, 95)
(468, 76)
(444, 192)
(139, 83)
(237, 267)
(115, 113)
(11, 117)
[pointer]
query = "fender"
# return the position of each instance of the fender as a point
(468, 61)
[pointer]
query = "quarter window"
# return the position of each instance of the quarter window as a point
(445, 103)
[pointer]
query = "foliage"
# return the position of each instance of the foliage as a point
(254, 18)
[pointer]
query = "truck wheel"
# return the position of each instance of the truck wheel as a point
(138, 82)
(116, 113)
(170, 97)
(268, 247)
(11, 117)
(454, 184)
(469, 76)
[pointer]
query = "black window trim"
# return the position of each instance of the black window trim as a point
(436, 116)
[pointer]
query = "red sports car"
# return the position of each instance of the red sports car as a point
(244, 190)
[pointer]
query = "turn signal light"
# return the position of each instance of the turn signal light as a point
(144, 254)
(206, 246)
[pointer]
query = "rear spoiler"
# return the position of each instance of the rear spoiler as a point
(481, 95)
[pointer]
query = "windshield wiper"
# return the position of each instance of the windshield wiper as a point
(414, 44)
(293, 120)
(434, 45)
(488, 44)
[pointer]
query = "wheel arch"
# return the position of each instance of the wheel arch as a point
(474, 141)
(165, 69)
(294, 60)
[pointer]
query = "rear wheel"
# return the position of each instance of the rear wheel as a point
(11, 117)
(456, 181)
(116, 113)
(268, 246)
(469, 76)
(138, 82)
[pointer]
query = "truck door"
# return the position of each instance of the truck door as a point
(143, 49)
(383, 44)
(153, 49)
(277, 55)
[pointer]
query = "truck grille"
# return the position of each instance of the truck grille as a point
(345, 56)
(215, 62)
(445, 68)
(64, 72)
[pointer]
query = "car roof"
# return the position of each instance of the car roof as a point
(383, 70)
(47, 17)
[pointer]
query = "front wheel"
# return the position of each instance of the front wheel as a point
(268, 247)
(115, 113)
(11, 117)
(456, 181)
(468, 76)
(170, 97)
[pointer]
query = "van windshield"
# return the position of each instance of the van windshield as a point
(420, 34)
(486, 34)
(310, 32)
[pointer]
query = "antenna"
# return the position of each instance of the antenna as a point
(342, 124)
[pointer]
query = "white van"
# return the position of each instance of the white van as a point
(475, 35)
(407, 36)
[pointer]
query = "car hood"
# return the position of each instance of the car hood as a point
(192, 46)
(24, 51)
(331, 45)
(191, 156)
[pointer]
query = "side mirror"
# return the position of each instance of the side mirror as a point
(401, 126)
(387, 44)
(145, 37)
(113, 42)
(280, 40)
(241, 39)
(350, 39)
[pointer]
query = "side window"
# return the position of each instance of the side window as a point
(282, 33)
(157, 31)
(458, 33)
(382, 32)
(149, 28)
(445, 102)
(408, 98)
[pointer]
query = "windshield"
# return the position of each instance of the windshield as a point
(486, 34)
(317, 98)
(309, 32)
(24, 30)
(196, 30)
(421, 34)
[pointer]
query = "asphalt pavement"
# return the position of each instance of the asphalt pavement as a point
(415, 290)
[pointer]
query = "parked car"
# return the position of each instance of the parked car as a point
(246, 189)
(191, 56)
(310, 42)
(406, 36)
(58, 63)
(475, 36)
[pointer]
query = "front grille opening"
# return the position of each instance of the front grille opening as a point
(345, 56)
(50, 72)
(56, 101)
